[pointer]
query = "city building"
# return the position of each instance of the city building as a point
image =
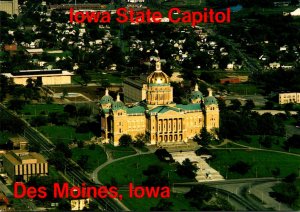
(47, 77)
(135, 88)
(20, 165)
(156, 115)
(285, 98)
(19, 142)
(10, 6)
(79, 204)
(232, 80)
(10, 47)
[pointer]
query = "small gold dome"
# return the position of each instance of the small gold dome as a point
(158, 76)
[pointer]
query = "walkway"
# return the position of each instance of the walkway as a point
(110, 160)
(242, 146)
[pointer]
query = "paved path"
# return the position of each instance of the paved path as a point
(267, 150)
(262, 191)
(110, 160)
(226, 141)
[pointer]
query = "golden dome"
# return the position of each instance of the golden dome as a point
(158, 76)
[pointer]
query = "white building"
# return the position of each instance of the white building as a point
(285, 98)
(48, 77)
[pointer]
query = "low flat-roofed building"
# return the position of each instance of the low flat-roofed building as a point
(20, 165)
(48, 77)
(19, 142)
(34, 51)
(230, 80)
(285, 98)
(10, 47)
(135, 89)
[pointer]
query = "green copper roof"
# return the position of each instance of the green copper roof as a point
(118, 105)
(189, 106)
(163, 109)
(210, 100)
(135, 109)
(196, 95)
(106, 99)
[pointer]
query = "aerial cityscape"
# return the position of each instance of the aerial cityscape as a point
(150, 105)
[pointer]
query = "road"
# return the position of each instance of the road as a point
(73, 171)
(249, 193)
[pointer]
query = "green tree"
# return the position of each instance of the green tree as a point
(240, 167)
(125, 140)
(58, 159)
(3, 87)
(62, 147)
(163, 205)
(291, 178)
(267, 141)
(292, 142)
(140, 140)
(84, 110)
(71, 110)
(235, 104)
(38, 121)
(276, 172)
(249, 105)
(187, 169)
(82, 161)
(204, 138)
(285, 192)
(269, 105)
(64, 205)
(198, 195)
(16, 104)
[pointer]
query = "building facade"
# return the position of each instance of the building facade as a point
(157, 116)
(20, 165)
(47, 77)
(10, 7)
(285, 98)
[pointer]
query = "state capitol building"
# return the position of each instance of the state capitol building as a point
(156, 115)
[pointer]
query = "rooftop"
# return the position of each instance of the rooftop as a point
(135, 109)
(43, 72)
(18, 157)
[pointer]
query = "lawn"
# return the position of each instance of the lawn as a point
(131, 170)
(179, 202)
(96, 157)
(262, 162)
(277, 144)
(242, 89)
(118, 148)
(297, 204)
(36, 109)
(120, 154)
(120, 151)
(63, 133)
(143, 149)
(110, 77)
